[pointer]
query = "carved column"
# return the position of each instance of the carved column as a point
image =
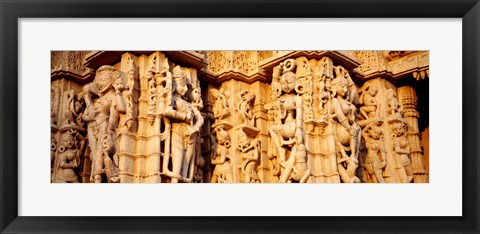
(69, 162)
(408, 101)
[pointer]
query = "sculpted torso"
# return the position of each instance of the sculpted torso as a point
(288, 128)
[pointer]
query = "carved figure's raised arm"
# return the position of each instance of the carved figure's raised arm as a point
(119, 103)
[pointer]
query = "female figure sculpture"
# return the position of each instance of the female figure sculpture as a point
(185, 121)
(73, 110)
(250, 154)
(101, 115)
(401, 148)
(392, 103)
(347, 131)
(376, 159)
(221, 108)
(370, 107)
(245, 107)
(221, 159)
(68, 158)
(288, 130)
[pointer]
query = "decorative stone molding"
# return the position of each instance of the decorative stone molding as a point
(394, 65)
(69, 65)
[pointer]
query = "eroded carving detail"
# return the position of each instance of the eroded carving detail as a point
(249, 151)
(376, 158)
(68, 157)
(402, 150)
(347, 131)
(245, 107)
(223, 172)
(287, 131)
(104, 103)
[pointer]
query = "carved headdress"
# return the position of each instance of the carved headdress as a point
(339, 76)
(178, 73)
(105, 77)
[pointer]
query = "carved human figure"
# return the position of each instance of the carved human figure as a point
(68, 158)
(347, 131)
(104, 102)
(221, 159)
(54, 104)
(288, 127)
(199, 161)
(324, 73)
(250, 152)
(111, 166)
(392, 102)
(198, 174)
(375, 160)
(221, 108)
(245, 107)
(368, 99)
(401, 149)
(352, 89)
(74, 108)
(296, 168)
(186, 121)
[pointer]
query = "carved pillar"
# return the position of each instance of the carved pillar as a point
(261, 121)
(69, 163)
(408, 101)
(208, 135)
(386, 141)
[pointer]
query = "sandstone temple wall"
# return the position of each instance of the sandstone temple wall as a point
(239, 116)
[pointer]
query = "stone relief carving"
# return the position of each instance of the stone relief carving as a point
(182, 122)
(373, 61)
(408, 104)
(370, 105)
(219, 61)
(347, 131)
(130, 98)
(392, 103)
(376, 158)
(245, 107)
(144, 120)
(221, 108)
(74, 109)
(239, 61)
(250, 151)
(68, 60)
(68, 157)
(287, 131)
(402, 150)
(159, 81)
(54, 104)
(223, 172)
(53, 151)
(296, 168)
(104, 103)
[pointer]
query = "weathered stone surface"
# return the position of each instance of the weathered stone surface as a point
(239, 117)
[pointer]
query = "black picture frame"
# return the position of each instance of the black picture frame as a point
(11, 11)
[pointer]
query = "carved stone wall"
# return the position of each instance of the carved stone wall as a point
(238, 117)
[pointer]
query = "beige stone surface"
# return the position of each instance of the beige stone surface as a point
(239, 117)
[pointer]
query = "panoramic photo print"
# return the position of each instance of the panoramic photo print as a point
(239, 117)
